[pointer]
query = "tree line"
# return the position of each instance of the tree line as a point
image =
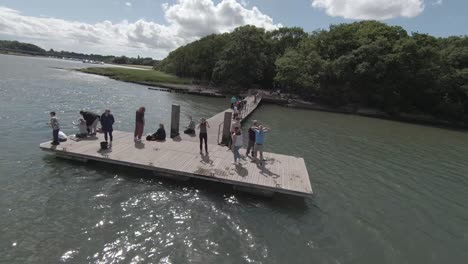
(31, 49)
(362, 64)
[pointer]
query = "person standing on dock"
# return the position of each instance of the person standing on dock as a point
(260, 139)
(251, 144)
(233, 102)
(237, 142)
(203, 134)
(107, 121)
(54, 124)
(92, 120)
(234, 124)
(139, 123)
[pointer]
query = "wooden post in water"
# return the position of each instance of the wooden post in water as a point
(226, 128)
(175, 120)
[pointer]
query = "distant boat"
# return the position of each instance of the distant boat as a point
(93, 62)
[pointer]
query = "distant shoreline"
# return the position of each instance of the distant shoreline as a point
(183, 86)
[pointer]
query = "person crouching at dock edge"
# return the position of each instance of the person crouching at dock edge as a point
(92, 120)
(107, 121)
(54, 124)
(139, 123)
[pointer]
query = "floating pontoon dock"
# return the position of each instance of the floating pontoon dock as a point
(180, 158)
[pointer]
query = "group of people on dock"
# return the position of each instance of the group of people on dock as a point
(89, 121)
(87, 125)
(256, 139)
(237, 106)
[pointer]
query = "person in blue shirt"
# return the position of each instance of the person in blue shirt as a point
(233, 102)
(107, 122)
(260, 132)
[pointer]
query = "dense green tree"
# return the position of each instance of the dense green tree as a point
(245, 58)
(299, 70)
(361, 64)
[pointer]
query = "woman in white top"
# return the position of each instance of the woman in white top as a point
(237, 142)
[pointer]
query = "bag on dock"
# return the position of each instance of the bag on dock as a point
(104, 145)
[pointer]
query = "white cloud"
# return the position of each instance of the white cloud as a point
(438, 2)
(370, 9)
(186, 21)
(128, 4)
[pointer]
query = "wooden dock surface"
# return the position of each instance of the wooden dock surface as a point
(181, 157)
(278, 174)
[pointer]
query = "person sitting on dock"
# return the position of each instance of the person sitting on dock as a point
(203, 134)
(92, 121)
(62, 136)
(81, 124)
(251, 144)
(107, 121)
(139, 123)
(54, 124)
(260, 139)
(159, 135)
(191, 127)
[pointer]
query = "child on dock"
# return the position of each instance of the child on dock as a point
(54, 124)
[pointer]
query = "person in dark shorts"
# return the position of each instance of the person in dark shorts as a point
(203, 134)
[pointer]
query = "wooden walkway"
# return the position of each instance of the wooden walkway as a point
(180, 158)
(216, 122)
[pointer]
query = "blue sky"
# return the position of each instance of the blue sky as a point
(153, 28)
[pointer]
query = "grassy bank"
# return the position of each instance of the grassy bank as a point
(149, 77)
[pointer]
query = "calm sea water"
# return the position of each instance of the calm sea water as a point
(385, 192)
